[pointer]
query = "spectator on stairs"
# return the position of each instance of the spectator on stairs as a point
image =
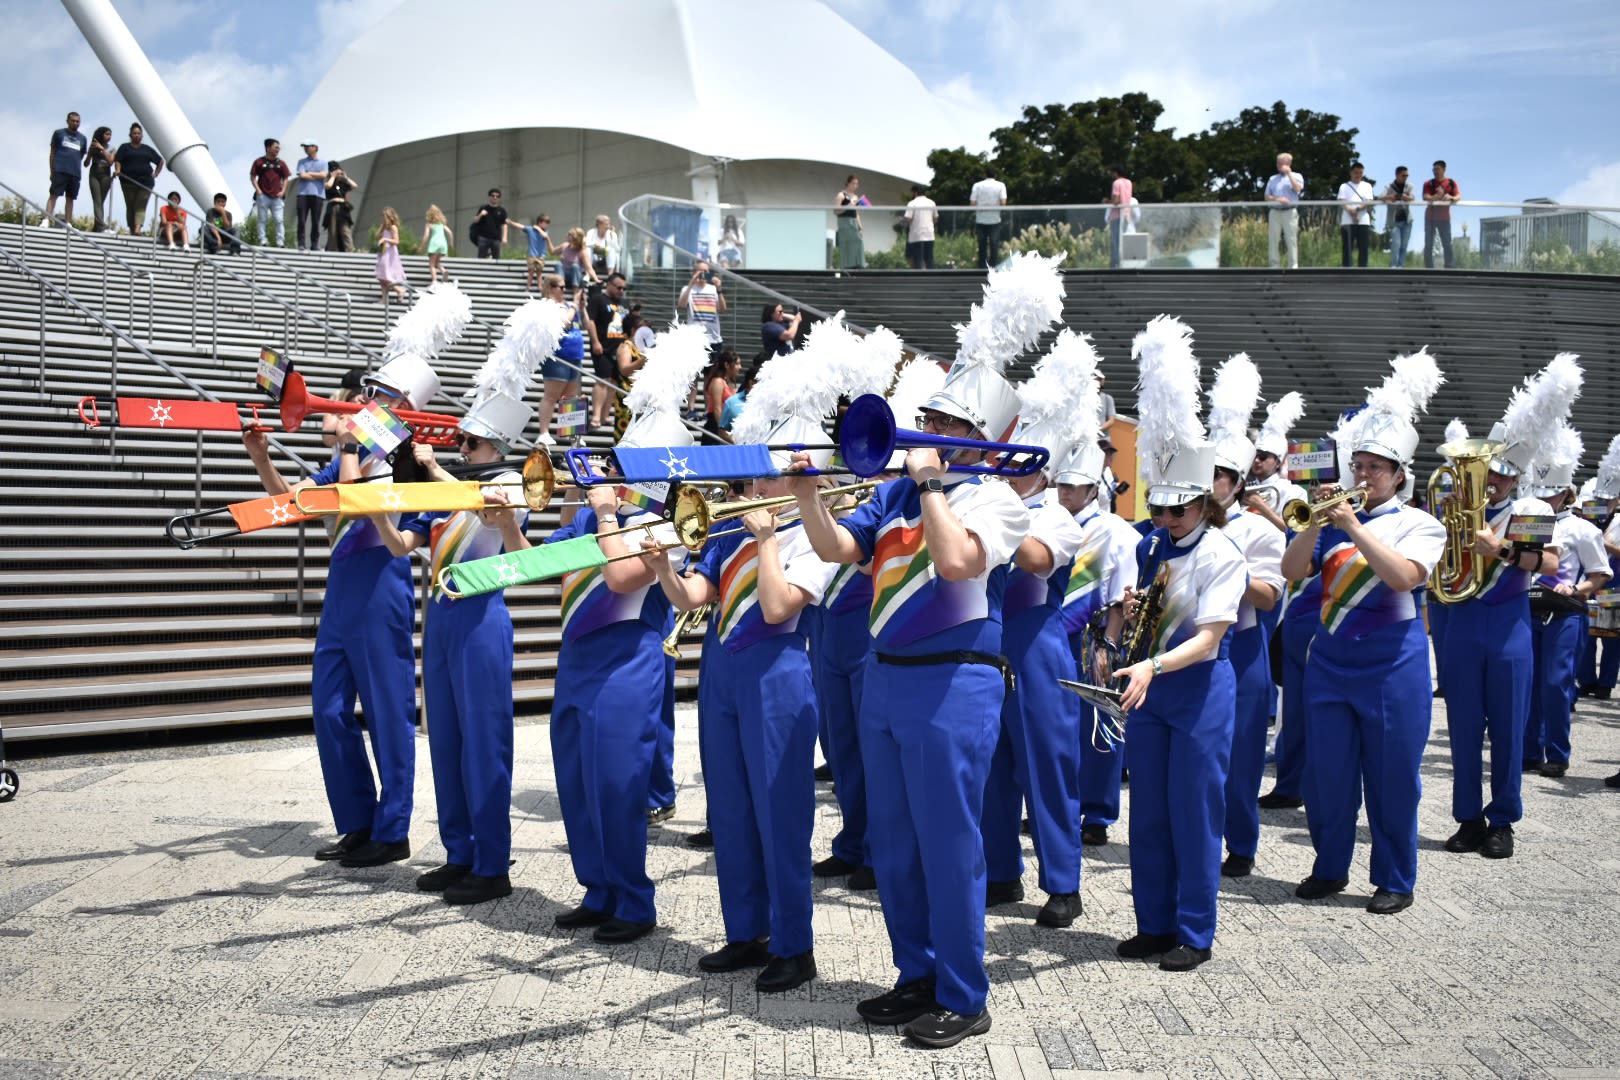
(137, 167)
(539, 251)
(575, 261)
(172, 229)
(269, 175)
(559, 380)
(339, 223)
(219, 229)
(311, 194)
(100, 160)
(489, 226)
(69, 151)
(436, 242)
(602, 241)
(390, 270)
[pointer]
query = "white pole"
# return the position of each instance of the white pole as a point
(185, 153)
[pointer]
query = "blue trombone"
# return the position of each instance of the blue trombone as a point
(868, 439)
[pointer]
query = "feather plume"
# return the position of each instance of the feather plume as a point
(1020, 303)
(881, 353)
(1167, 391)
(918, 381)
(1062, 394)
(1535, 409)
(676, 360)
(1282, 415)
(1565, 447)
(1233, 398)
(532, 332)
(434, 323)
(1404, 393)
(1456, 431)
(766, 402)
(1610, 465)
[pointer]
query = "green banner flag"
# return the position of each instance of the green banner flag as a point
(522, 567)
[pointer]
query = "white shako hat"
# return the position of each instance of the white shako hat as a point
(1281, 416)
(1083, 464)
(1232, 400)
(1607, 484)
(1385, 427)
(1174, 457)
(529, 334)
(498, 417)
(1021, 301)
(659, 391)
(1554, 472)
(919, 379)
(1534, 413)
(1060, 404)
(408, 375)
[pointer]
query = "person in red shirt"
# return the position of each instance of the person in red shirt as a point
(269, 174)
(1438, 194)
(172, 223)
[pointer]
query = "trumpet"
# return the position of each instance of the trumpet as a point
(539, 481)
(684, 622)
(1300, 515)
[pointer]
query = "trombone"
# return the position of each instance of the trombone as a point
(538, 482)
(1300, 515)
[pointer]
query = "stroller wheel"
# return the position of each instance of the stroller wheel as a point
(8, 784)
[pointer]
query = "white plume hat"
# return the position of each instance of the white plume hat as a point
(1385, 427)
(1174, 457)
(408, 375)
(432, 324)
(1607, 483)
(529, 335)
(1534, 412)
(796, 393)
(1232, 401)
(498, 417)
(1554, 472)
(1083, 464)
(1060, 404)
(1281, 416)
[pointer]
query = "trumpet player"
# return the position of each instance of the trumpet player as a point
(1366, 683)
(467, 663)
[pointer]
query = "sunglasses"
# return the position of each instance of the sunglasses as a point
(1171, 511)
(373, 392)
(468, 442)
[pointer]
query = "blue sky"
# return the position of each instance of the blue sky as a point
(1519, 98)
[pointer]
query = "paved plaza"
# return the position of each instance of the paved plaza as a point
(161, 916)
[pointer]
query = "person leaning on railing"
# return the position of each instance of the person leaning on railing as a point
(137, 167)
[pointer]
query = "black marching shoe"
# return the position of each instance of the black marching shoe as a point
(1531, 766)
(1143, 946)
(783, 973)
(622, 931)
(474, 889)
(1385, 902)
(1237, 866)
(1468, 837)
(737, 955)
(1094, 835)
(1061, 910)
(1271, 800)
(1602, 693)
(346, 843)
(1587, 691)
(824, 773)
(1315, 888)
(703, 841)
(864, 879)
(833, 866)
(1555, 769)
(901, 1005)
(580, 917)
(1183, 958)
(1498, 843)
(371, 853)
(445, 876)
(1612, 781)
(945, 1028)
(657, 815)
(997, 893)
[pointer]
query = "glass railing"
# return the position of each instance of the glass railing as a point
(1182, 236)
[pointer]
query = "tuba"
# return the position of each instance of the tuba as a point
(1458, 496)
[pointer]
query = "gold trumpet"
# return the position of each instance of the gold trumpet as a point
(1300, 515)
(538, 484)
(684, 622)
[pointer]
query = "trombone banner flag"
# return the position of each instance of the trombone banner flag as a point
(523, 567)
(138, 412)
(355, 500)
(643, 465)
(267, 513)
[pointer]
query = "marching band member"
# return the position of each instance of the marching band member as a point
(1558, 626)
(611, 669)
(1366, 699)
(1094, 595)
(1487, 658)
(1598, 680)
(758, 754)
(1182, 698)
(1231, 400)
(1268, 488)
(363, 645)
(1037, 759)
(467, 663)
(935, 680)
(1436, 612)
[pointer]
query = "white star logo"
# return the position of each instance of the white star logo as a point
(280, 514)
(161, 413)
(677, 466)
(392, 500)
(507, 571)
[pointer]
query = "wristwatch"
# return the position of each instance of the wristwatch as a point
(933, 483)
(351, 448)
(1158, 666)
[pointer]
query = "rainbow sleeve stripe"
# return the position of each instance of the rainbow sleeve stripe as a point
(451, 537)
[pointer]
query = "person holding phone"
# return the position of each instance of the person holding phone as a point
(704, 303)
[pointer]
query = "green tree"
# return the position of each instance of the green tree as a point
(1241, 155)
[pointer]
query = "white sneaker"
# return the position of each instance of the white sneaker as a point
(44, 222)
(546, 439)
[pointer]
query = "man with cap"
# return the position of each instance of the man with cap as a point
(1558, 627)
(363, 645)
(311, 191)
(467, 662)
(1367, 704)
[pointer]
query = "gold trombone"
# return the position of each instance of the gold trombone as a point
(1300, 515)
(695, 514)
(538, 483)
(684, 622)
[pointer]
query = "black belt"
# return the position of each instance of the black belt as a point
(960, 656)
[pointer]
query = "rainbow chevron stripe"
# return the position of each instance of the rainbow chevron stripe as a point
(739, 586)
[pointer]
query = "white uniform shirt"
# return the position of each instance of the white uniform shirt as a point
(1580, 549)
(1261, 543)
(1054, 528)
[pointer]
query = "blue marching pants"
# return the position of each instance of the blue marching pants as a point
(467, 681)
(1269, 621)
(1100, 763)
(1181, 746)
(1251, 669)
(363, 646)
(1486, 666)
(1037, 759)
(759, 768)
(661, 784)
(1368, 708)
(838, 660)
(927, 734)
(1604, 673)
(1291, 736)
(604, 732)
(1439, 619)
(1554, 643)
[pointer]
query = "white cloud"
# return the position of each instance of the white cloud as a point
(1599, 187)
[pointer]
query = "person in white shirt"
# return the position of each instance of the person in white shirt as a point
(921, 216)
(602, 241)
(987, 195)
(1282, 192)
(1356, 219)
